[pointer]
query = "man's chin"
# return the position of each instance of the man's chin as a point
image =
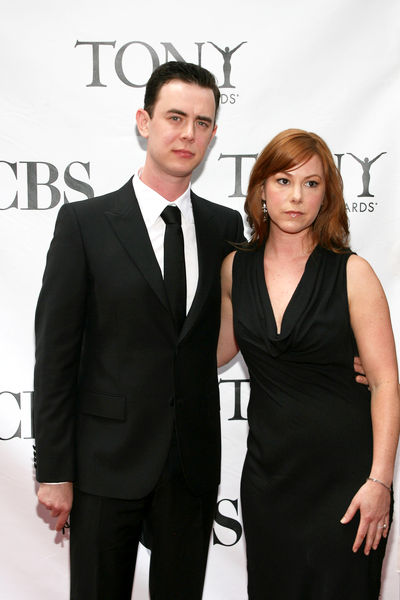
(185, 170)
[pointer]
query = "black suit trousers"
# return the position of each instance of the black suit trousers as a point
(105, 533)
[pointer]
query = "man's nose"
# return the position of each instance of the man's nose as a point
(188, 131)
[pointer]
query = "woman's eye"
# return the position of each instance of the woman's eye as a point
(312, 183)
(283, 180)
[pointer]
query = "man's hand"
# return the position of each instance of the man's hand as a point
(360, 369)
(58, 499)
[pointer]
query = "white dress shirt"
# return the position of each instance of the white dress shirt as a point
(151, 205)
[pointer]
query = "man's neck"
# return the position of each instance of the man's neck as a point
(169, 187)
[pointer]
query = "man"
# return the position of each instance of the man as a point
(126, 394)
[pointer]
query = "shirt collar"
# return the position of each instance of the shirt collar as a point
(152, 204)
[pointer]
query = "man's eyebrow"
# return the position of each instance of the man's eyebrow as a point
(176, 111)
(207, 119)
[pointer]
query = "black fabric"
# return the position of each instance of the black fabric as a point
(113, 377)
(105, 533)
(174, 264)
(113, 381)
(310, 436)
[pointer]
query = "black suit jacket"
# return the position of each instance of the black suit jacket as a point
(111, 374)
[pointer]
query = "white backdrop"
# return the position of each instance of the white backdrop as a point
(72, 78)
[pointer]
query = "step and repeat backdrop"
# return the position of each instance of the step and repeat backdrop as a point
(72, 77)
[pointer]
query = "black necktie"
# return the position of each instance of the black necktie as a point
(174, 264)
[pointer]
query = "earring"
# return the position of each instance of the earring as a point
(264, 210)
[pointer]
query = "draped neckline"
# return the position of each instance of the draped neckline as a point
(297, 302)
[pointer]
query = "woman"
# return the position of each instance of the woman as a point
(316, 484)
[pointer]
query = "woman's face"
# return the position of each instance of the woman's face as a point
(294, 197)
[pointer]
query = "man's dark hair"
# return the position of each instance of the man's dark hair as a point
(188, 72)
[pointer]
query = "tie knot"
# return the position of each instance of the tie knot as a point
(171, 215)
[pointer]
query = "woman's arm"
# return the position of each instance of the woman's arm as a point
(227, 346)
(370, 320)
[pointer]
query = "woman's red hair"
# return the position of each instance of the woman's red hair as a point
(288, 149)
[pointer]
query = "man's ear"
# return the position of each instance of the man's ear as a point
(213, 132)
(142, 122)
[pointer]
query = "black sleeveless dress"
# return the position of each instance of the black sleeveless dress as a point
(310, 436)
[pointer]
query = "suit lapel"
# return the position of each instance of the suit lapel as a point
(128, 224)
(207, 251)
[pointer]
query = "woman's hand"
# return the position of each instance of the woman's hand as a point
(373, 502)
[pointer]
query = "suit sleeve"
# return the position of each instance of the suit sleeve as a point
(236, 233)
(239, 235)
(59, 324)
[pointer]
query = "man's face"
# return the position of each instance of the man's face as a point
(180, 130)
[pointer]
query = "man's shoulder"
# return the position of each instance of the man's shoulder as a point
(104, 202)
(214, 207)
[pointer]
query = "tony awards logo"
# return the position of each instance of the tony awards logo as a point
(366, 177)
(241, 164)
(127, 62)
(362, 206)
